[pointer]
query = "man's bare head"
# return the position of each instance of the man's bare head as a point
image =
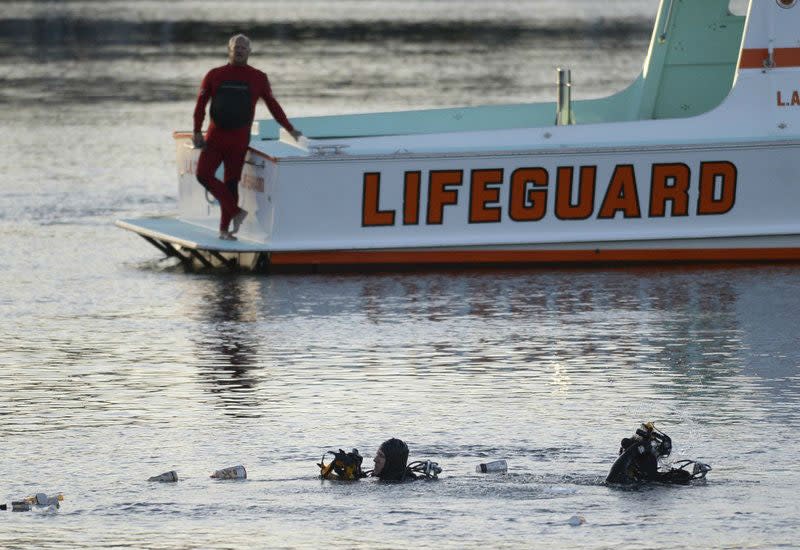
(238, 49)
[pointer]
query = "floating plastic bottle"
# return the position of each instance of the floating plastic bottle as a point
(233, 472)
(166, 477)
(494, 467)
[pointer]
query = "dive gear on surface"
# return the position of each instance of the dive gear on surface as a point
(418, 469)
(344, 466)
(699, 469)
(424, 468)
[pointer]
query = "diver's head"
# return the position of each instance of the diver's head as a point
(391, 460)
(645, 431)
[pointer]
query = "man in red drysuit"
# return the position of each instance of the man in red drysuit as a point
(234, 89)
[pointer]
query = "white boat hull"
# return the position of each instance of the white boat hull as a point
(682, 203)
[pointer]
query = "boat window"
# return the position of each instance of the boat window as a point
(738, 7)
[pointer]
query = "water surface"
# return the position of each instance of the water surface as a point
(116, 366)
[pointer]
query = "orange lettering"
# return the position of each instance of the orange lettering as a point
(621, 195)
(670, 182)
(716, 199)
(565, 210)
(371, 216)
(438, 194)
(526, 204)
(796, 98)
(780, 100)
(483, 190)
(411, 198)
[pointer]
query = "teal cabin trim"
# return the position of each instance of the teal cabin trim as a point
(689, 70)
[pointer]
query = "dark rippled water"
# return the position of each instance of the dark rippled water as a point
(115, 366)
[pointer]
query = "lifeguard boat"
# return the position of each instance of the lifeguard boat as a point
(698, 160)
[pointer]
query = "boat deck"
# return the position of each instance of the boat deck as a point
(276, 149)
(187, 235)
(193, 244)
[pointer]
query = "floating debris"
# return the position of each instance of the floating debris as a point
(233, 472)
(166, 477)
(576, 520)
(39, 500)
(20, 506)
(494, 467)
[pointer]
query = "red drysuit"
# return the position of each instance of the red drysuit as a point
(234, 91)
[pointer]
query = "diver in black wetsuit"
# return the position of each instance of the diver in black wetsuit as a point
(638, 460)
(391, 461)
(391, 464)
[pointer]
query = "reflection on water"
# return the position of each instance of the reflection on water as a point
(679, 334)
(546, 368)
(228, 344)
